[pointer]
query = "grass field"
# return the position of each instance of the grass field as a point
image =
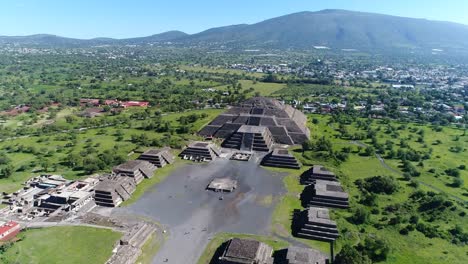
(27, 164)
(219, 70)
(264, 89)
(56, 245)
(411, 248)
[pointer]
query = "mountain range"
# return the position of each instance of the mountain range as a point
(335, 29)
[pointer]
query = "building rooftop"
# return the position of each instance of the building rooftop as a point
(286, 124)
(155, 152)
(107, 186)
(131, 165)
(319, 215)
(199, 144)
(65, 195)
(80, 194)
(281, 152)
(320, 170)
(243, 248)
(223, 184)
(329, 188)
(252, 129)
(298, 255)
(7, 226)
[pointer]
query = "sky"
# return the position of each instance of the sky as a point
(136, 18)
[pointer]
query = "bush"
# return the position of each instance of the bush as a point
(453, 172)
(379, 184)
(428, 230)
(404, 231)
(375, 248)
(349, 254)
(457, 182)
(360, 216)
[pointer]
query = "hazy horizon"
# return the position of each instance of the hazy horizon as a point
(119, 19)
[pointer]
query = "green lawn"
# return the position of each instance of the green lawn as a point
(149, 250)
(62, 245)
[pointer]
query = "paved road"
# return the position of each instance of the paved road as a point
(191, 215)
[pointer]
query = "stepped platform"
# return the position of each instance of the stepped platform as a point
(200, 151)
(325, 194)
(250, 138)
(136, 169)
(286, 124)
(158, 157)
(281, 158)
(299, 255)
(314, 223)
(317, 172)
(222, 185)
(246, 251)
(113, 190)
(241, 156)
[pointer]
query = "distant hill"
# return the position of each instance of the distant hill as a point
(343, 29)
(337, 29)
(57, 41)
(162, 37)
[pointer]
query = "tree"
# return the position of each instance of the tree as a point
(360, 216)
(307, 145)
(45, 164)
(376, 248)
(7, 171)
(457, 182)
(378, 184)
(369, 151)
(349, 255)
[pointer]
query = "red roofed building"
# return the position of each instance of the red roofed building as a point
(134, 103)
(89, 102)
(9, 230)
(111, 102)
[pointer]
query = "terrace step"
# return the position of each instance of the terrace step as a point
(324, 204)
(314, 237)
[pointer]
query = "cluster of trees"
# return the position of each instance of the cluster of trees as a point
(378, 184)
(371, 249)
(6, 169)
(91, 161)
(323, 147)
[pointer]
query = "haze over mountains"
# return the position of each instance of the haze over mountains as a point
(336, 29)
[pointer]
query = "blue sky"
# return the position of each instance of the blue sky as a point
(133, 18)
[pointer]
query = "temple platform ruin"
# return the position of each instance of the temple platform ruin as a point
(200, 151)
(325, 194)
(281, 158)
(314, 223)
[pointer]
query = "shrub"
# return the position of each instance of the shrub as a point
(457, 182)
(349, 254)
(375, 248)
(360, 216)
(453, 172)
(379, 184)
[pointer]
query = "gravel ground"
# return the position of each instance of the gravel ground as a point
(191, 215)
